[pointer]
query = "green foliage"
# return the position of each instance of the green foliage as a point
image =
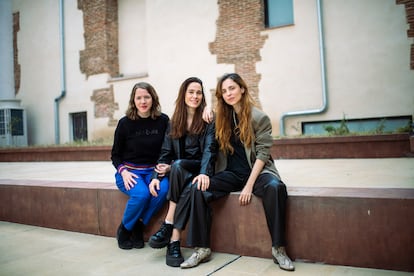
(380, 127)
(405, 129)
(342, 129)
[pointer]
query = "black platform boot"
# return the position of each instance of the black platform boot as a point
(162, 237)
(174, 257)
(137, 237)
(123, 236)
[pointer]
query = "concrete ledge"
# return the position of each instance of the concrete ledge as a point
(363, 146)
(357, 227)
(357, 146)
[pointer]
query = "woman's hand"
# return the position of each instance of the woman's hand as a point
(208, 114)
(203, 182)
(162, 169)
(154, 186)
(129, 179)
(245, 195)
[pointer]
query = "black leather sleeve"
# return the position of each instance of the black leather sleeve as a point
(209, 145)
(167, 154)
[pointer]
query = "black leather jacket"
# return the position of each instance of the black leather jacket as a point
(172, 150)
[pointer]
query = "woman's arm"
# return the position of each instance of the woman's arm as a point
(208, 114)
(118, 146)
(209, 150)
(166, 155)
(117, 156)
(263, 141)
(246, 194)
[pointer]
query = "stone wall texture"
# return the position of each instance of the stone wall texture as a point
(100, 22)
(409, 10)
(238, 39)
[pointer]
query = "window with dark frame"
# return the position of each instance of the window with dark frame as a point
(278, 13)
(11, 122)
(16, 122)
(2, 122)
(79, 126)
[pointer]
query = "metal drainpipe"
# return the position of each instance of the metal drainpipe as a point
(323, 76)
(62, 70)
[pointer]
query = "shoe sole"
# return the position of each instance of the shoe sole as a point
(125, 247)
(202, 261)
(139, 245)
(174, 262)
(157, 245)
(276, 262)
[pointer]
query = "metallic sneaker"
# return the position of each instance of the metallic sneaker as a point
(201, 255)
(280, 257)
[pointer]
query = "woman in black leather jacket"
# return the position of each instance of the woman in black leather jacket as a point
(188, 155)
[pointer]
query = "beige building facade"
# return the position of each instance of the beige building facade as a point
(75, 62)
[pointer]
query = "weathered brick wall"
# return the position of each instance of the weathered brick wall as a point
(238, 39)
(409, 11)
(16, 28)
(100, 21)
(105, 105)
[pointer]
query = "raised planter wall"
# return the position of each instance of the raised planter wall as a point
(370, 146)
(376, 146)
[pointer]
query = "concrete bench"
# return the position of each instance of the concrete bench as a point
(370, 228)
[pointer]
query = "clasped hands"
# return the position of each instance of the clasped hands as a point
(162, 170)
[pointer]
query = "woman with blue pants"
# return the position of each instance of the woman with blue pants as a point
(137, 144)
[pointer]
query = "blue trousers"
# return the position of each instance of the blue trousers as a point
(141, 204)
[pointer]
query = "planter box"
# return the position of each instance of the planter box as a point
(369, 146)
(81, 153)
(373, 146)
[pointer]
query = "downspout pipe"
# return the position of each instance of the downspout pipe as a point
(62, 70)
(323, 76)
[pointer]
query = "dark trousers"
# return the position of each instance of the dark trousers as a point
(193, 206)
(182, 173)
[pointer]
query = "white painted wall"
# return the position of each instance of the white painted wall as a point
(38, 55)
(367, 62)
(164, 42)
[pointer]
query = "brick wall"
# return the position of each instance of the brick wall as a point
(100, 21)
(105, 104)
(409, 11)
(238, 39)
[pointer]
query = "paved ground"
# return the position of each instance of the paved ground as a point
(30, 250)
(36, 251)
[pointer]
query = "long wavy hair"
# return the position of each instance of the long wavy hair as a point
(179, 118)
(225, 115)
(132, 111)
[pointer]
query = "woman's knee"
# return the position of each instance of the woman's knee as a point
(164, 186)
(140, 192)
(277, 185)
(177, 165)
(279, 189)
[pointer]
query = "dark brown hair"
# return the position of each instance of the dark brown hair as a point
(179, 118)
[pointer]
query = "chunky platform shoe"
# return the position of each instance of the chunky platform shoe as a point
(162, 237)
(174, 257)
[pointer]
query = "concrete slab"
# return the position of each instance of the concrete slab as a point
(31, 250)
(361, 173)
